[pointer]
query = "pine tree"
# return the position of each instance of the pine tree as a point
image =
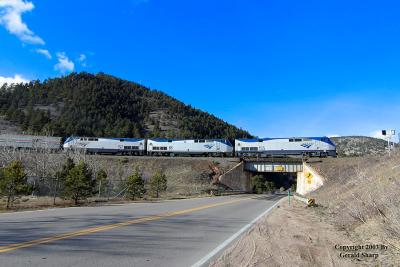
(158, 183)
(79, 183)
(13, 181)
(135, 185)
(61, 176)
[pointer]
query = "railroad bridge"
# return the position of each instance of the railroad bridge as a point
(273, 165)
(239, 177)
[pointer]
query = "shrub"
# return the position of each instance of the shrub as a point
(258, 184)
(270, 186)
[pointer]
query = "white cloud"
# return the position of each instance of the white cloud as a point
(82, 57)
(12, 80)
(64, 63)
(333, 135)
(82, 60)
(44, 52)
(10, 17)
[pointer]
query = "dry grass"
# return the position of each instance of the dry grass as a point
(186, 176)
(361, 196)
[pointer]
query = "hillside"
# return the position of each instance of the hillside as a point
(359, 146)
(360, 196)
(103, 105)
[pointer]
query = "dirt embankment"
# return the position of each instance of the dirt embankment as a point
(357, 222)
(186, 176)
(289, 236)
(361, 197)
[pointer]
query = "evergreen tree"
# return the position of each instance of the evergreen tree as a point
(58, 183)
(13, 182)
(135, 185)
(79, 183)
(158, 183)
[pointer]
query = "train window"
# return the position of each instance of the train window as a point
(202, 141)
(135, 147)
(291, 140)
(96, 139)
(253, 148)
(298, 140)
(245, 148)
(127, 147)
(260, 140)
(121, 140)
(169, 141)
(196, 141)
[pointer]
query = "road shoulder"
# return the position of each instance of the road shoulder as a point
(288, 236)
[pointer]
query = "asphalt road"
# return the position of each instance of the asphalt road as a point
(167, 233)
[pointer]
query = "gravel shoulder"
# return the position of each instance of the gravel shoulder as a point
(292, 235)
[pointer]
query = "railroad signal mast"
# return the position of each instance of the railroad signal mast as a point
(388, 134)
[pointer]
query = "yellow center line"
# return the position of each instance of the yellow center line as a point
(91, 230)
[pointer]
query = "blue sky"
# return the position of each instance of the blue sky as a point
(275, 68)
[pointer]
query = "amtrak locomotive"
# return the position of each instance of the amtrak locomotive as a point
(265, 147)
(213, 147)
(299, 146)
(94, 145)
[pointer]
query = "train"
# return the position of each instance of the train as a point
(260, 147)
(297, 146)
(29, 141)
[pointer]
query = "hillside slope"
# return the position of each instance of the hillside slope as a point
(102, 105)
(359, 146)
(360, 196)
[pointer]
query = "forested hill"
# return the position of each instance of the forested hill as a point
(101, 105)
